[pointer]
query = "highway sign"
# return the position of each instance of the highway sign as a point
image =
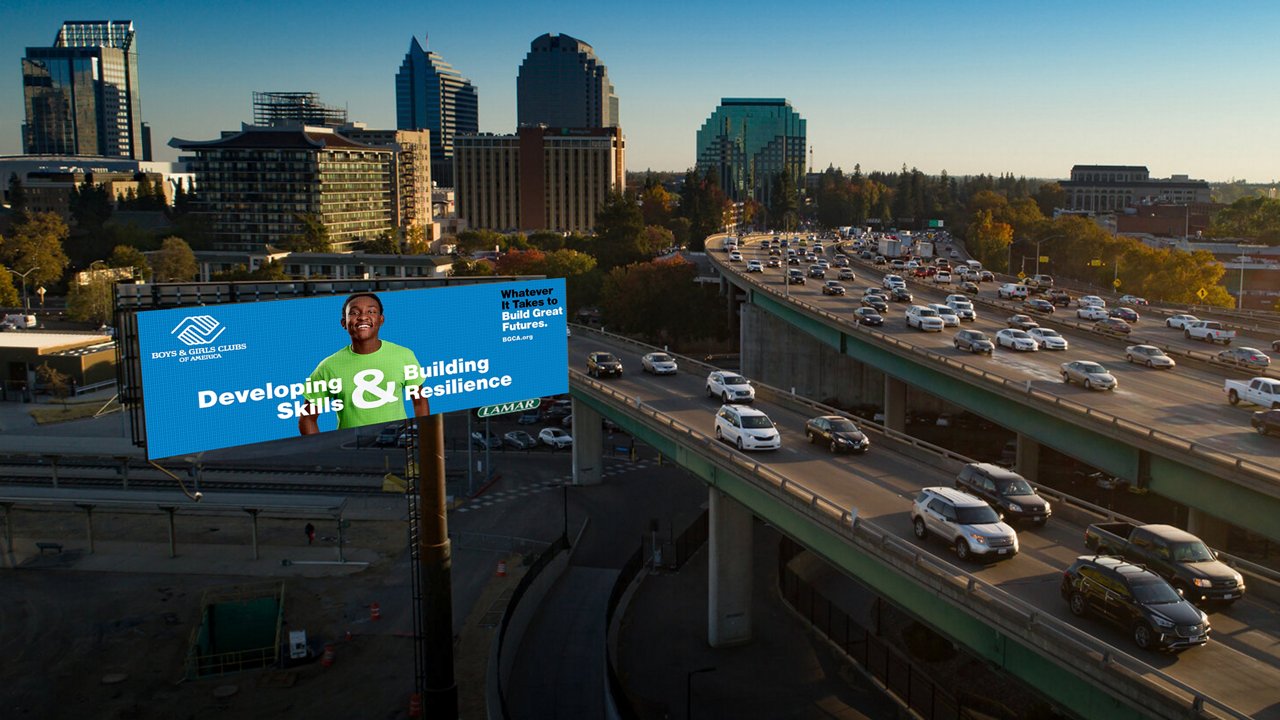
(1202, 293)
(1044, 258)
(511, 407)
(1022, 275)
(1115, 283)
(1095, 263)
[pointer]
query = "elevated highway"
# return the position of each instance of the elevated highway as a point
(1009, 614)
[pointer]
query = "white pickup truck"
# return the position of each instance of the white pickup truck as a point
(1210, 331)
(1259, 391)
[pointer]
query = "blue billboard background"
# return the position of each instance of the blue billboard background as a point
(225, 375)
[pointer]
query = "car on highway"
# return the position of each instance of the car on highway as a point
(1275, 345)
(965, 522)
(975, 341)
(795, 277)
(1005, 491)
(889, 281)
(962, 308)
(730, 387)
(942, 277)
(1016, 339)
(875, 302)
(842, 261)
(1180, 321)
(735, 256)
(1132, 300)
(1058, 297)
(1038, 305)
(1021, 322)
(969, 287)
(986, 276)
(949, 316)
(1113, 325)
(817, 271)
(833, 287)
(1245, 357)
(1010, 291)
(1090, 301)
(924, 318)
(1126, 314)
(880, 260)
(482, 440)
(1139, 601)
(519, 440)
(603, 364)
(1266, 422)
(754, 266)
(845, 274)
(839, 433)
(1149, 355)
(746, 428)
(1048, 338)
(555, 437)
(868, 316)
(1092, 312)
(773, 262)
(1089, 374)
(898, 264)
(899, 293)
(793, 261)
(659, 363)
(865, 255)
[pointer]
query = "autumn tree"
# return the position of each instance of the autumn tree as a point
(661, 302)
(8, 292)
(988, 241)
(35, 246)
(470, 268)
(55, 381)
(656, 203)
(1256, 218)
(702, 203)
(91, 298)
(130, 257)
(174, 261)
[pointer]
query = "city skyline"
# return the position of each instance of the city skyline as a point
(990, 89)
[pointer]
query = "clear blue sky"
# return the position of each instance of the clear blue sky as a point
(1029, 88)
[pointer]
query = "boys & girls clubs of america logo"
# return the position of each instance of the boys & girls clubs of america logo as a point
(199, 333)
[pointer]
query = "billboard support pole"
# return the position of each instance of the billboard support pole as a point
(441, 699)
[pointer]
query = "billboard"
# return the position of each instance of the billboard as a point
(226, 375)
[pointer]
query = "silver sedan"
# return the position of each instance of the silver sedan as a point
(1089, 374)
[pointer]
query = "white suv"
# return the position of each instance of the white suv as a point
(747, 428)
(966, 522)
(1010, 291)
(730, 387)
(962, 309)
(924, 318)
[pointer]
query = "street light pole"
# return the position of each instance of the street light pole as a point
(26, 304)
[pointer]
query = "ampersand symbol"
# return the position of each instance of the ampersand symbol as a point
(369, 382)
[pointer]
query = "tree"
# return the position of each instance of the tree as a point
(1050, 196)
(8, 292)
(92, 300)
(271, 270)
(130, 257)
(1256, 218)
(467, 268)
(655, 203)
(702, 202)
(312, 237)
(989, 241)
(546, 240)
(384, 244)
(619, 232)
(17, 195)
(56, 382)
(661, 302)
(784, 203)
(90, 204)
(174, 261)
(36, 242)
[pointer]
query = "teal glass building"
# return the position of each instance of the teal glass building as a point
(747, 141)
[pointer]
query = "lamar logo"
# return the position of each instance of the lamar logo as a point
(198, 330)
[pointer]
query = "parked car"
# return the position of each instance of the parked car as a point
(1245, 357)
(1180, 321)
(519, 440)
(1022, 322)
(659, 363)
(1016, 339)
(975, 341)
(386, 437)
(730, 387)
(1136, 599)
(1005, 491)
(1112, 325)
(1149, 355)
(1048, 339)
(480, 439)
(868, 316)
(747, 428)
(839, 433)
(555, 437)
(1089, 374)
(966, 522)
(832, 287)
(529, 417)
(603, 364)
(1266, 422)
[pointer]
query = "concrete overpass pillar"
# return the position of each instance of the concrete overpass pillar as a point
(1028, 460)
(895, 404)
(588, 445)
(729, 560)
(1208, 528)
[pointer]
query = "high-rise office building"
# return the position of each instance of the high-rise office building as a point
(295, 108)
(563, 84)
(431, 95)
(540, 178)
(81, 94)
(747, 142)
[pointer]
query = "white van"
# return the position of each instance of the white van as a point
(747, 428)
(1012, 291)
(20, 321)
(974, 265)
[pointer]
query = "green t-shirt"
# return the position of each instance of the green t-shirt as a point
(372, 385)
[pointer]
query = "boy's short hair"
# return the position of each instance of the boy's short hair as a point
(354, 296)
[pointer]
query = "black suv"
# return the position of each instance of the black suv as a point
(1138, 600)
(603, 363)
(1005, 490)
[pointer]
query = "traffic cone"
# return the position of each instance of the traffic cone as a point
(415, 705)
(327, 660)
(502, 568)
(375, 612)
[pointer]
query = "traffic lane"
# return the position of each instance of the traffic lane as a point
(1155, 398)
(875, 484)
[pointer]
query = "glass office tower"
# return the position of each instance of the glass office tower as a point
(431, 95)
(563, 84)
(747, 142)
(81, 94)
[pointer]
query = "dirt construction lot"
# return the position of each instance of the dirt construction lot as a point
(80, 638)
